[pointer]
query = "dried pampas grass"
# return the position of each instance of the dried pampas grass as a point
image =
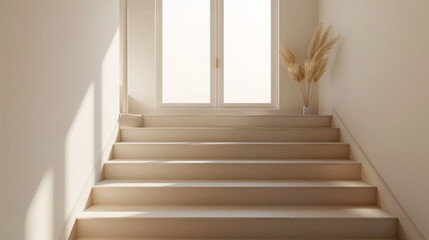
(292, 64)
(316, 64)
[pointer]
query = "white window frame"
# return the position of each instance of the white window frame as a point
(216, 62)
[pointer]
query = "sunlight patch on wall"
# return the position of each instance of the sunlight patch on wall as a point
(79, 150)
(109, 99)
(39, 219)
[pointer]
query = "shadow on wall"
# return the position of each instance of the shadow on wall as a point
(59, 104)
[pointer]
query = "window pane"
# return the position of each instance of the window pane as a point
(247, 51)
(186, 51)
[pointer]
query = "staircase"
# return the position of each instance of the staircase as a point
(233, 177)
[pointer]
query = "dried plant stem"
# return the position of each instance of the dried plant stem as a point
(308, 95)
(312, 93)
(303, 91)
(309, 73)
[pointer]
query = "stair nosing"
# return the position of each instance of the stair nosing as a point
(132, 183)
(236, 212)
(232, 143)
(230, 127)
(233, 161)
(97, 238)
(234, 115)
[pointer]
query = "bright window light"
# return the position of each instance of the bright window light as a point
(247, 51)
(186, 51)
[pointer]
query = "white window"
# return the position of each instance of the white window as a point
(217, 53)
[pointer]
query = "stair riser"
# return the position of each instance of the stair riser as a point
(237, 121)
(234, 195)
(239, 171)
(238, 228)
(230, 135)
(230, 151)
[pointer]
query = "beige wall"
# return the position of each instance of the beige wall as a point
(297, 21)
(58, 110)
(378, 86)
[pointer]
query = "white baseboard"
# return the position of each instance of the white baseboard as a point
(386, 197)
(85, 199)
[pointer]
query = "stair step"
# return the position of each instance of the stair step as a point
(231, 150)
(229, 134)
(123, 192)
(236, 121)
(236, 222)
(233, 169)
(234, 239)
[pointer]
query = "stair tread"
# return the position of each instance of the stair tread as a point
(234, 239)
(230, 127)
(302, 212)
(231, 143)
(234, 120)
(231, 183)
(234, 161)
(236, 115)
(231, 150)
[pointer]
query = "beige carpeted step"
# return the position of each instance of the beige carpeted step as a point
(236, 222)
(229, 150)
(229, 134)
(291, 192)
(235, 121)
(235, 239)
(233, 169)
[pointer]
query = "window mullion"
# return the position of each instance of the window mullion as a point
(219, 52)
